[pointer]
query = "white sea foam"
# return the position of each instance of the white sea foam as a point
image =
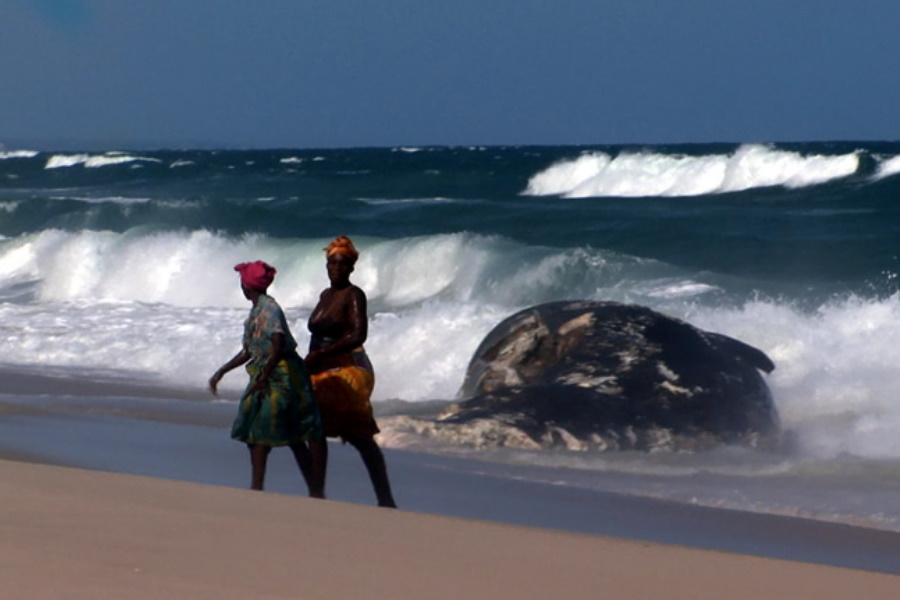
(5, 155)
(836, 378)
(93, 161)
(147, 302)
(103, 199)
(433, 292)
(887, 167)
(406, 201)
(668, 289)
(58, 161)
(652, 174)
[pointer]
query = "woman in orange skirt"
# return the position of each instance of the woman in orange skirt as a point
(342, 376)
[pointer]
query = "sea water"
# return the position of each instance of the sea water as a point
(120, 263)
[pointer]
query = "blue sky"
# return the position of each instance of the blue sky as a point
(337, 73)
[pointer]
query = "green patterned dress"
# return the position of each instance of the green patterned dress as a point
(286, 412)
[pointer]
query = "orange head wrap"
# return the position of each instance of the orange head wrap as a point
(342, 245)
(256, 275)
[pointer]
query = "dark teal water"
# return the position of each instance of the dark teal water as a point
(793, 224)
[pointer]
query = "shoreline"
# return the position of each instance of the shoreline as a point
(171, 436)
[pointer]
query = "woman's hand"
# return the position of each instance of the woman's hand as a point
(214, 382)
(237, 360)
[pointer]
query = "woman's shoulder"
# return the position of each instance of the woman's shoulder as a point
(267, 299)
(269, 304)
(351, 291)
(353, 296)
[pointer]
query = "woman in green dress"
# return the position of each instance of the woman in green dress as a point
(277, 408)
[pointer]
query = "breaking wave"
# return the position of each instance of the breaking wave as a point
(598, 174)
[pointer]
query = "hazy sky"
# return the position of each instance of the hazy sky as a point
(332, 73)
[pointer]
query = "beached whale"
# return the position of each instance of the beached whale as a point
(609, 376)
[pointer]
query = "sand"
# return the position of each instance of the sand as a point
(156, 509)
(77, 534)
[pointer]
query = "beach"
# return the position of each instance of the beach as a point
(112, 489)
(70, 533)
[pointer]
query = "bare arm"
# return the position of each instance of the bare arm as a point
(237, 360)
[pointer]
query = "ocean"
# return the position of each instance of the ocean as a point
(119, 264)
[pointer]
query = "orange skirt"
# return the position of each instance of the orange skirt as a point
(343, 392)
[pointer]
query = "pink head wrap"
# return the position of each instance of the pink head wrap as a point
(256, 275)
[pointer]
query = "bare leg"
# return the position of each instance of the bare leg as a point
(374, 461)
(259, 456)
(311, 461)
(320, 456)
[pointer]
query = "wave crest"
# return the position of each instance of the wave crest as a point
(598, 174)
(888, 168)
(93, 161)
(194, 268)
